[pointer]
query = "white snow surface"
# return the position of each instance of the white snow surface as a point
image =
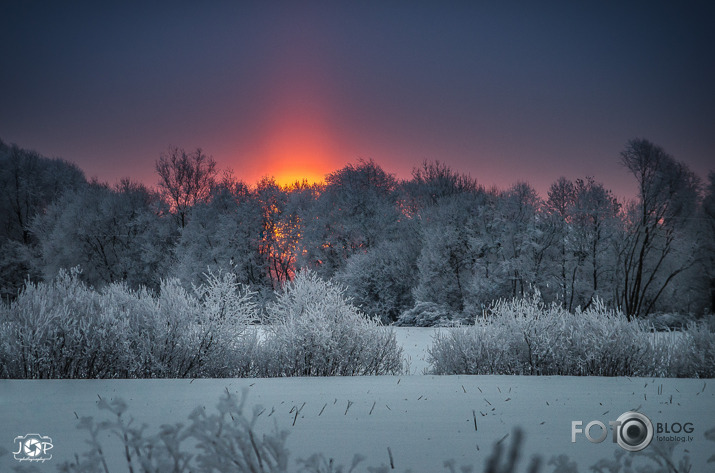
(423, 419)
(415, 342)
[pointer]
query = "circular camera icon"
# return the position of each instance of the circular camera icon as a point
(634, 431)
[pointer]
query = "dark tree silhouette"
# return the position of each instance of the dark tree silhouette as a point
(185, 179)
(667, 198)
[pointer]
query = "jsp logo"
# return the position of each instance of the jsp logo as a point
(33, 447)
(632, 431)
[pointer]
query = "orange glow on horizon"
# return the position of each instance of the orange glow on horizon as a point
(296, 137)
(298, 146)
(292, 154)
(287, 176)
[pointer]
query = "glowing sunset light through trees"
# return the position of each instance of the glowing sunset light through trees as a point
(251, 188)
(295, 139)
(503, 92)
(297, 149)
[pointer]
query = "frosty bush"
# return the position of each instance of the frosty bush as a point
(60, 330)
(64, 329)
(314, 330)
(212, 326)
(527, 337)
(691, 355)
(425, 314)
(670, 321)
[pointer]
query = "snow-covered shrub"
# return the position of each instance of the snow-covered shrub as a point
(136, 312)
(380, 280)
(688, 354)
(227, 311)
(526, 336)
(61, 330)
(177, 334)
(670, 320)
(701, 341)
(470, 350)
(226, 302)
(603, 342)
(64, 329)
(314, 330)
(425, 314)
(178, 342)
(709, 321)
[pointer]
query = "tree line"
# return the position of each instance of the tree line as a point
(433, 248)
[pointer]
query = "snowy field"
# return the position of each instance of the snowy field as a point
(415, 342)
(423, 419)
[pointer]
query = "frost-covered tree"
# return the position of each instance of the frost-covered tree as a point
(482, 246)
(185, 179)
(280, 230)
(434, 180)
(656, 248)
(355, 211)
(29, 182)
(224, 235)
(492, 276)
(112, 234)
(561, 198)
(708, 242)
(380, 281)
(447, 261)
(595, 223)
(582, 218)
(523, 237)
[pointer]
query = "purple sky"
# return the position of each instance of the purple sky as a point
(518, 91)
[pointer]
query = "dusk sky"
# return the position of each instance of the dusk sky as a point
(503, 91)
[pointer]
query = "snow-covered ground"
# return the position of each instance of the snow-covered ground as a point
(424, 420)
(415, 342)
